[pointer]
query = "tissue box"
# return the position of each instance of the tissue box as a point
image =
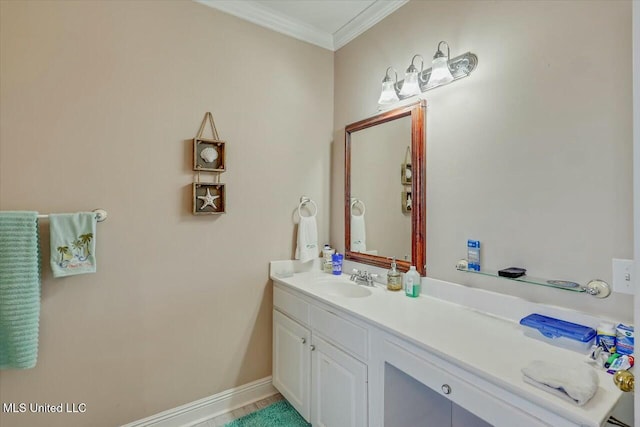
(624, 339)
(559, 332)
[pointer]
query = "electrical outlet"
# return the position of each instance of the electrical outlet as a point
(623, 280)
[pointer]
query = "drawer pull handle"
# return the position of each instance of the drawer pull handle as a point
(303, 340)
(312, 347)
(446, 388)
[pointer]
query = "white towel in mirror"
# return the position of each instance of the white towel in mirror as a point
(358, 234)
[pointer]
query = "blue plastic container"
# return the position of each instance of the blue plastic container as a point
(559, 332)
(336, 260)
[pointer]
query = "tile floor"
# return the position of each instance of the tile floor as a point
(221, 420)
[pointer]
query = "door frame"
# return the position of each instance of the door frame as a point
(635, 39)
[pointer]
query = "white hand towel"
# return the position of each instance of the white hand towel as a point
(577, 384)
(358, 234)
(307, 248)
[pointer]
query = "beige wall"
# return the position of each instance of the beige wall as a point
(99, 101)
(531, 154)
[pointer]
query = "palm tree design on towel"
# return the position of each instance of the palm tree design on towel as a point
(86, 239)
(80, 253)
(77, 245)
(65, 255)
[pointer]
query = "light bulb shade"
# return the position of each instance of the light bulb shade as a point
(440, 73)
(388, 94)
(410, 87)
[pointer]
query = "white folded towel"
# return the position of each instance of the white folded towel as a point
(307, 248)
(358, 234)
(576, 384)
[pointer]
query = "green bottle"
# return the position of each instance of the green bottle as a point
(412, 282)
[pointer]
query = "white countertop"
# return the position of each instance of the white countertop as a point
(491, 347)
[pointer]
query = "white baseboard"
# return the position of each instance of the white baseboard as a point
(209, 407)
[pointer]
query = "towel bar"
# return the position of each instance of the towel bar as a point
(101, 215)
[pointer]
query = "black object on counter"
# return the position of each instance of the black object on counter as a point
(512, 272)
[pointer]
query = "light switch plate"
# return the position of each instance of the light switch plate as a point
(623, 280)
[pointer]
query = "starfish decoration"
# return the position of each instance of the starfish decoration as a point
(209, 200)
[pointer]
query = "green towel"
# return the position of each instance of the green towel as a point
(19, 290)
(73, 243)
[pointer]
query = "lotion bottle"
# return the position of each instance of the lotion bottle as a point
(327, 263)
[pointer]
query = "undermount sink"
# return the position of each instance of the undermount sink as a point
(340, 287)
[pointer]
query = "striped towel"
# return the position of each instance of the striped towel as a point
(19, 289)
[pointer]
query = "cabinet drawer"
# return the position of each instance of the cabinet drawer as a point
(346, 334)
(291, 304)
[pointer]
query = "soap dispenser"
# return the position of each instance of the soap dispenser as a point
(394, 279)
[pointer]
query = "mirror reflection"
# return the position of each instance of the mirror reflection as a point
(385, 188)
(381, 189)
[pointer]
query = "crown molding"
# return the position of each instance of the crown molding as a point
(258, 14)
(253, 11)
(365, 20)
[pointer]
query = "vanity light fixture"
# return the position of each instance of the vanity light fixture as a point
(388, 95)
(444, 71)
(440, 73)
(411, 85)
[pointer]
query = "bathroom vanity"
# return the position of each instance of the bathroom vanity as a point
(351, 355)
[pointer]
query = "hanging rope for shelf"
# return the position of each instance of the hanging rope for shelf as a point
(208, 117)
(216, 178)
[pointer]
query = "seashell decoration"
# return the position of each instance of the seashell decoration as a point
(209, 154)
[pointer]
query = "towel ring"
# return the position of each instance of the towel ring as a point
(303, 202)
(362, 206)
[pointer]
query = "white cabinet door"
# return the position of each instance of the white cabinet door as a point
(292, 362)
(339, 387)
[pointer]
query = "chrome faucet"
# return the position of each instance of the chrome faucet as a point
(362, 277)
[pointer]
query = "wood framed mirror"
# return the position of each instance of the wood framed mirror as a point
(385, 191)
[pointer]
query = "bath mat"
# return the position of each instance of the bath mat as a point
(279, 414)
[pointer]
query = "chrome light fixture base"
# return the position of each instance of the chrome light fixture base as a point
(460, 66)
